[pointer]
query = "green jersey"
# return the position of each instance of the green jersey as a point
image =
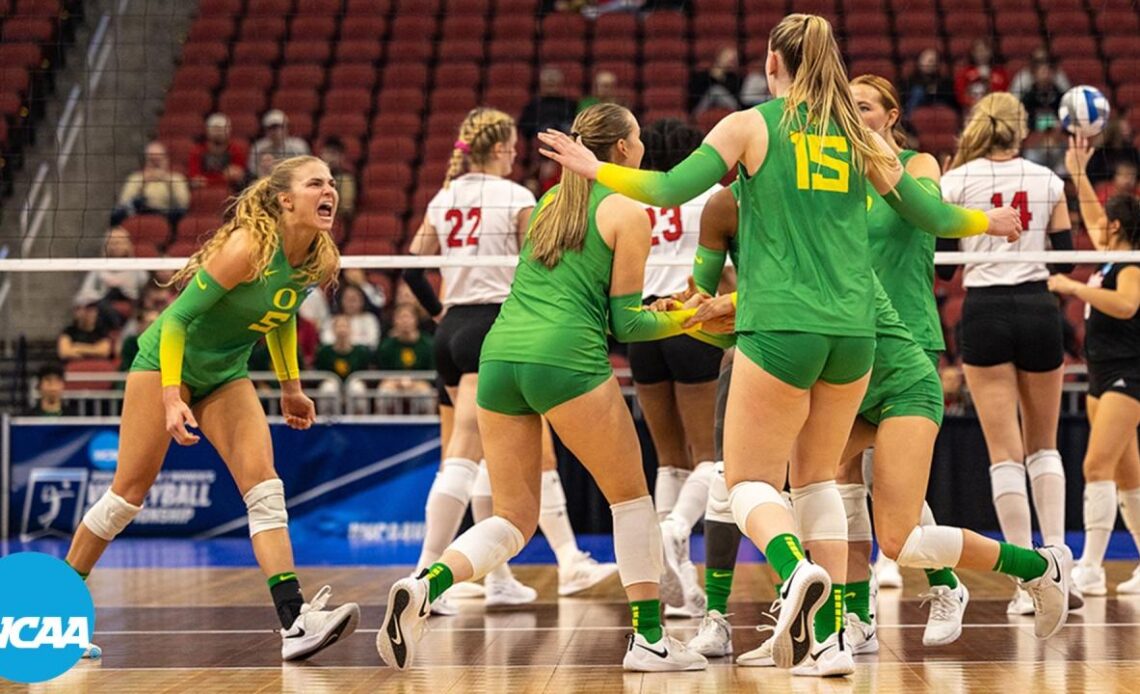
(804, 258)
(903, 258)
(558, 316)
(357, 358)
(397, 355)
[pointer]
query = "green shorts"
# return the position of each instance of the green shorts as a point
(201, 378)
(801, 359)
(515, 388)
(904, 383)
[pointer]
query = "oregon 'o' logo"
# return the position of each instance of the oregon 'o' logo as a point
(285, 298)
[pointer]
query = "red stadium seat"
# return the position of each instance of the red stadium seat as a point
(410, 51)
(510, 100)
(189, 76)
(263, 28)
(302, 100)
(1066, 22)
(664, 98)
(555, 50)
(391, 148)
(934, 120)
(352, 75)
(380, 225)
(866, 24)
(219, 29)
(665, 48)
(401, 100)
(145, 249)
(868, 47)
(664, 73)
(614, 50)
(398, 124)
(463, 27)
(759, 24)
(1020, 46)
(705, 51)
(208, 201)
(507, 50)
(722, 27)
(1121, 46)
(363, 28)
(355, 9)
(424, 7)
(358, 51)
(516, 7)
(204, 53)
(37, 30)
(313, 28)
(196, 101)
(916, 22)
(195, 227)
(242, 101)
(873, 66)
(469, 7)
(343, 125)
(91, 366)
(1084, 71)
(179, 151)
(348, 100)
(327, 8)
(710, 117)
(625, 72)
(463, 51)
(249, 77)
(572, 72)
(716, 7)
(967, 23)
(510, 74)
(665, 25)
(310, 76)
(301, 124)
(244, 125)
(1117, 21)
(378, 246)
(270, 7)
(616, 26)
(256, 52)
(1073, 46)
(311, 52)
(176, 125)
(1122, 70)
(456, 75)
(151, 228)
(439, 148)
(909, 47)
(413, 27)
(225, 8)
(563, 26)
(182, 249)
(1024, 22)
(405, 76)
(387, 175)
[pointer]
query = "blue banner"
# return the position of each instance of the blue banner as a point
(361, 482)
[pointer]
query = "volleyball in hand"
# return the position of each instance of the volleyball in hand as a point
(1084, 111)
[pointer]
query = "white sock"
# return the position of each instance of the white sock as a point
(693, 497)
(667, 488)
(446, 504)
(554, 521)
(1100, 517)
(1130, 511)
(1011, 501)
(482, 509)
(1047, 475)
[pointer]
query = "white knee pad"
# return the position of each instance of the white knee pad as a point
(553, 498)
(482, 485)
(1100, 505)
(858, 516)
(932, 547)
(489, 544)
(1045, 462)
(869, 467)
(746, 496)
(456, 479)
(637, 541)
(1008, 478)
(819, 512)
(108, 516)
(265, 505)
(718, 508)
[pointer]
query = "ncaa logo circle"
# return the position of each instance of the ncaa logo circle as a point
(103, 450)
(46, 617)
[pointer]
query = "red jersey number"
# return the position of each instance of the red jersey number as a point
(457, 220)
(665, 221)
(1020, 203)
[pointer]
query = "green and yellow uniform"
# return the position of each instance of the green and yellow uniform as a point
(205, 337)
(396, 355)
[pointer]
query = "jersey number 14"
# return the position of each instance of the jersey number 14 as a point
(1020, 203)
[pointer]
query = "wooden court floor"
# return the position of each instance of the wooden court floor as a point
(210, 630)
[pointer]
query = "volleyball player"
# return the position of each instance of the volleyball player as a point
(1112, 348)
(246, 282)
(580, 271)
(675, 379)
(806, 328)
(1012, 346)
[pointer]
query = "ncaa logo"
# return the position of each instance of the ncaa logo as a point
(46, 617)
(103, 450)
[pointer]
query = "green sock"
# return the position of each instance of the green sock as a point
(857, 599)
(829, 618)
(783, 553)
(718, 584)
(942, 577)
(1020, 562)
(647, 619)
(439, 579)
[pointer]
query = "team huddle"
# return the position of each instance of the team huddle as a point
(779, 396)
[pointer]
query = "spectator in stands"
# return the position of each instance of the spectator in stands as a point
(155, 189)
(132, 330)
(365, 325)
(374, 299)
(406, 348)
(719, 85)
(85, 338)
(1115, 145)
(156, 296)
(928, 84)
(277, 140)
(1025, 78)
(49, 389)
(754, 90)
(114, 286)
(980, 75)
(405, 297)
(220, 160)
(332, 152)
(551, 108)
(605, 90)
(1042, 98)
(1124, 179)
(341, 356)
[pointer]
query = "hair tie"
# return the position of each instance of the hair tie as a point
(576, 136)
(462, 146)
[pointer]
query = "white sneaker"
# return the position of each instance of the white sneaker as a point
(92, 652)
(507, 592)
(947, 607)
(761, 656)
(442, 607)
(1020, 604)
(1076, 597)
(1090, 580)
(667, 655)
(1132, 585)
(582, 573)
(316, 628)
(466, 591)
(801, 596)
(714, 640)
(860, 636)
(886, 572)
(675, 542)
(404, 622)
(695, 602)
(832, 658)
(1050, 591)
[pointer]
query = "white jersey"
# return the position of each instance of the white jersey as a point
(1031, 189)
(676, 234)
(477, 215)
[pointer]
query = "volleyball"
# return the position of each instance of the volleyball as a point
(1084, 111)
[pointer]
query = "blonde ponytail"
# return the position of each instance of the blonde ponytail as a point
(562, 222)
(481, 130)
(997, 122)
(807, 45)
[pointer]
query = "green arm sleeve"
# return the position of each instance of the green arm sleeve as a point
(197, 298)
(685, 181)
(708, 265)
(282, 344)
(630, 322)
(919, 201)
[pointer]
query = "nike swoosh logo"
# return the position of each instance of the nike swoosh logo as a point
(301, 632)
(802, 636)
(699, 260)
(1057, 571)
(424, 608)
(200, 283)
(819, 654)
(663, 653)
(721, 574)
(269, 273)
(888, 408)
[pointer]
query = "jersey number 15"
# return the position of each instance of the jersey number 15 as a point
(815, 168)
